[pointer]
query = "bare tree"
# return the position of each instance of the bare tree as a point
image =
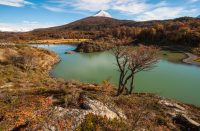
(131, 61)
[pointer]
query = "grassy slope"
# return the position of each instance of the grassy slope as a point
(27, 96)
(198, 60)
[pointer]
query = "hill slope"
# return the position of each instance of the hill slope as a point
(91, 23)
(99, 23)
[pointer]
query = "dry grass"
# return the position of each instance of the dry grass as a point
(98, 123)
(57, 41)
(198, 59)
(22, 110)
(172, 56)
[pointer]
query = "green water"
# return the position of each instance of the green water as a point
(168, 79)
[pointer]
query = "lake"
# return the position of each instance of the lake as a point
(170, 78)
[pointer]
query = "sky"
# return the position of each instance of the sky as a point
(25, 15)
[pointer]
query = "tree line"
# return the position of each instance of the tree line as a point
(182, 31)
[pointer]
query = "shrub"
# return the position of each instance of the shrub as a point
(99, 123)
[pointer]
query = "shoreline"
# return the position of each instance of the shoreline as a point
(191, 59)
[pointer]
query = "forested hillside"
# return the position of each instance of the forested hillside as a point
(182, 31)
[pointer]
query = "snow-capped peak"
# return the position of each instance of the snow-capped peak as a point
(102, 13)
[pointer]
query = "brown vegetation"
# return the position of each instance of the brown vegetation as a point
(182, 31)
(57, 41)
(32, 100)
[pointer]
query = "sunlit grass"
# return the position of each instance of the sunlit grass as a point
(57, 41)
(172, 56)
(198, 59)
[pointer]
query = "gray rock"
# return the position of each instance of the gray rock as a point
(180, 115)
(77, 116)
(187, 121)
(172, 105)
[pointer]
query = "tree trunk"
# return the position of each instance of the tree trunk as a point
(120, 84)
(131, 84)
(119, 90)
(123, 83)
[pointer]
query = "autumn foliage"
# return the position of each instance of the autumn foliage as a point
(181, 31)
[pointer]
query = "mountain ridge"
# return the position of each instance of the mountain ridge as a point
(98, 23)
(91, 23)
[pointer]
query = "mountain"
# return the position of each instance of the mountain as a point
(99, 23)
(91, 23)
(198, 16)
(102, 13)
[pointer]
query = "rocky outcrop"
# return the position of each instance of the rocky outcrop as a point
(77, 116)
(187, 121)
(181, 115)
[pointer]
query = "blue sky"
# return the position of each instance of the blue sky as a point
(23, 15)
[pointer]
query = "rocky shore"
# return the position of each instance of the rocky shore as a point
(32, 100)
(191, 59)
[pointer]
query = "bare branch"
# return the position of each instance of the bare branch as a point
(133, 60)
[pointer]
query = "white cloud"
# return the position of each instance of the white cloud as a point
(133, 8)
(193, 1)
(16, 3)
(24, 26)
(161, 13)
(129, 6)
(137, 9)
(137, 6)
(54, 9)
(140, 9)
(92, 5)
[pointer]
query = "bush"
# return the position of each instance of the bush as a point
(99, 123)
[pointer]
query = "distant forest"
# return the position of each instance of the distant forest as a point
(182, 31)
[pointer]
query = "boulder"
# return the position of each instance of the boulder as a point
(187, 122)
(77, 116)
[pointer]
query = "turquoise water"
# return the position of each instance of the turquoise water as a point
(171, 80)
